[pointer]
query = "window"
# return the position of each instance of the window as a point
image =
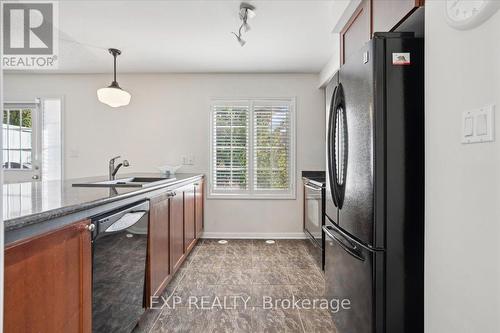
(18, 137)
(252, 149)
(32, 140)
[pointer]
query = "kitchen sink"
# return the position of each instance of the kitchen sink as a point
(127, 182)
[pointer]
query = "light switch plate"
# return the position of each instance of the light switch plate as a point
(468, 126)
(478, 125)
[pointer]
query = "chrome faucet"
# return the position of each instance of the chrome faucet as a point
(113, 170)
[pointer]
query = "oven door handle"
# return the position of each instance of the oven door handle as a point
(351, 249)
(312, 187)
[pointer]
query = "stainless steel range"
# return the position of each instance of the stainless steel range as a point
(314, 213)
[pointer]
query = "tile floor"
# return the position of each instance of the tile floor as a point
(250, 269)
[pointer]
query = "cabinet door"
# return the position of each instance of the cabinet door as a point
(357, 31)
(176, 230)
(159, 251)
(48, 282)
(199, 195)
(189, 218)
(387, 14)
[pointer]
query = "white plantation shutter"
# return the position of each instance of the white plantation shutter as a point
(230, 147)
(271, 146)
(252, 149)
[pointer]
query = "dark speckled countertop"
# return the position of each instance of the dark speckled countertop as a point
(33, 202)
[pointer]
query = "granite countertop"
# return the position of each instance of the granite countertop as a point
(33, 202)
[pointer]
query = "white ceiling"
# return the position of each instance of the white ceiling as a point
(194, 36)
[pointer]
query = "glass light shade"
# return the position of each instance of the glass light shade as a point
(250, 13)
(113, 96)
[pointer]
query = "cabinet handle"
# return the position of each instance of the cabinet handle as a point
(171, 194)
(90, 227)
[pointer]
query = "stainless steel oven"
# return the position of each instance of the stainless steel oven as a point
(314, 194)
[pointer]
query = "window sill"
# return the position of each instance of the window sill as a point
(227, 196)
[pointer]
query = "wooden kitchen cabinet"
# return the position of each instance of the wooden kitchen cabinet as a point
(373, 16)
(189, 217)
(173, 232)
(176, 230)
(48, 282)
(198, 200)
(159, 244)
(388, 14)
(357, 31)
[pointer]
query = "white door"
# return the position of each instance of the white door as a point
(21, 142)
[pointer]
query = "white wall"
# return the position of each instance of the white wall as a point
(169, 117)
(340, 12)
(463, 181)
(333, 65)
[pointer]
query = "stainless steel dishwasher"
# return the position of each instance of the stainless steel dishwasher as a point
(119, 251)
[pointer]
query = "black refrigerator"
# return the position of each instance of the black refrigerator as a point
(374, 230)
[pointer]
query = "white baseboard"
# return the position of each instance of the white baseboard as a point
(254, 235)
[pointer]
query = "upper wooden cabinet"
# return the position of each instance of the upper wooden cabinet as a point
(199, 195)
(189, 218)
(48, 282)
(357, 31)
(159, 242)
(373, 16)
(388, 14)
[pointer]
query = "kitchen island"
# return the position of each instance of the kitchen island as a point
(48, 253)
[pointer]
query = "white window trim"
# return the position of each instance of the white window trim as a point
(252, 194)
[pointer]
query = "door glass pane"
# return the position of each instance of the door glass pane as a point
(14, 117)
(14, 130)
(17, 138)
(5, 158)
(26, 129)
(5, 134)
(26, 159)
(14, 159)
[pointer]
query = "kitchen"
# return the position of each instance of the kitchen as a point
(242, 232)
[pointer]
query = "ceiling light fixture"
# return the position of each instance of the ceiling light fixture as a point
(247, 11)
(113, 95)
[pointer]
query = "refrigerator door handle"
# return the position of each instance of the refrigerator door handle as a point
(351, 249)
(331, 149)
(341, 145)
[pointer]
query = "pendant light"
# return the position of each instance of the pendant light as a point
(113, 95)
